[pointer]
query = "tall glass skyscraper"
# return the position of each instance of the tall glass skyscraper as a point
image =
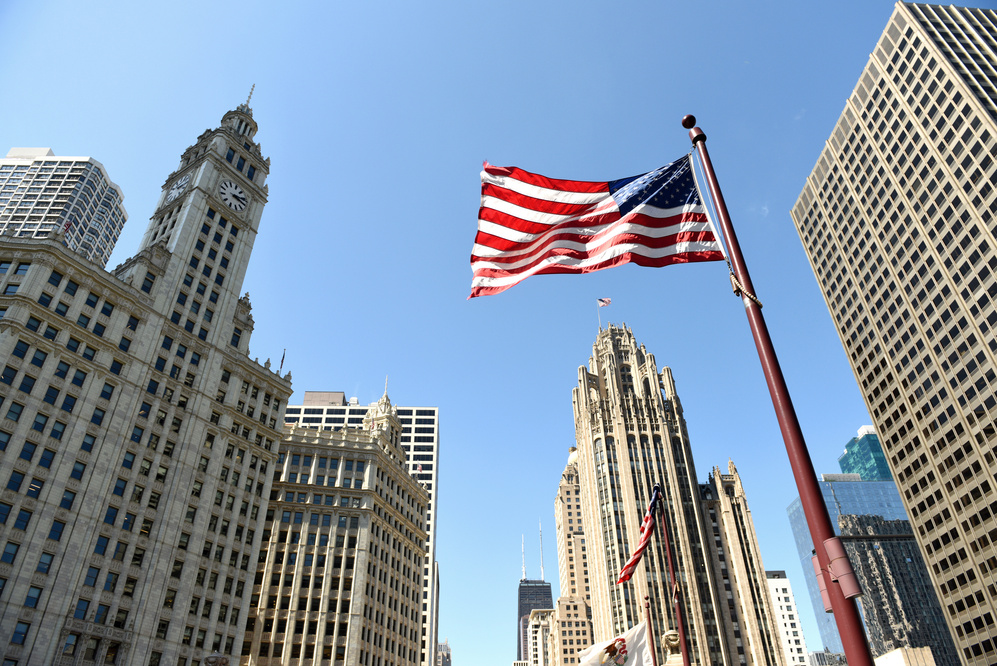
(864, 456)
(844, 494)
(899, 605)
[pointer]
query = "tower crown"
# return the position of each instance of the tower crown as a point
(241, 121)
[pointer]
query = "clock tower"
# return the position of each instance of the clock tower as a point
(208, 217)
(150, 496)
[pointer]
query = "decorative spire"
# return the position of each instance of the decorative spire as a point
(244, 108)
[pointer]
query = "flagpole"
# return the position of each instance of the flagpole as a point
(650, 629)
(845, 611)
(679, 624)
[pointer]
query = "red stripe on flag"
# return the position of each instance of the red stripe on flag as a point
(624, 258)
(533, 203)
(550, 183)
(544, 251)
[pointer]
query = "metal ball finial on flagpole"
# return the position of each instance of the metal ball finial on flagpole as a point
(842, 594)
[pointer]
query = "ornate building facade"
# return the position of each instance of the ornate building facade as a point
(137, 438)
(341, 571)
(631, 434)
(420, 440)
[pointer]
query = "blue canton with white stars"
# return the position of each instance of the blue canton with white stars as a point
(669, 186)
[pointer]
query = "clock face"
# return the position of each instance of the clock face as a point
(177, 188)
(232, 195)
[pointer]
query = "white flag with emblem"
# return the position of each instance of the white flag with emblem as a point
(631, 649)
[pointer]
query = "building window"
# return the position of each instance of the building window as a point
(9, 552)
(21, 628)
(31, 600)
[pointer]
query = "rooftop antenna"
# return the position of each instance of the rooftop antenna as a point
(385, 385)
(250, 94)
(524, 556)
(540, 522)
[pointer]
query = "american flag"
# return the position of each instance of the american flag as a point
(530, 225)
(646, 530)
(603, 302)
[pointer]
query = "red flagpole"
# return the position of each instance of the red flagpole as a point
(846, 614)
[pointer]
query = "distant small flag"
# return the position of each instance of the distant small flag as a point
(420, 469)
(281, 356)
(646, 530)
(603, 302)
(532, 225)
(65, 229)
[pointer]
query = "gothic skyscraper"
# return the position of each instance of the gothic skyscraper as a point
(631, 434)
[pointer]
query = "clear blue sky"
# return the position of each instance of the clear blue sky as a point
(377, 116)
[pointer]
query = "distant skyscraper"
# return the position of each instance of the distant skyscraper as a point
(898, 221)
(630, 435)
(340, 579)
(737, 564)
(420, 440)
(532, 595)
(899, 606)
(843, 494)
(139, 437)
(443, 654)
(787, 617)
(864, 456)
(573, 616)
(40, 193)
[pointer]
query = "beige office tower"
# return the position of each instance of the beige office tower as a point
(572, 630)
(737, 564)
(340, 574)
(420, 440)
(631, 434)
(137, 437)
(898, 220)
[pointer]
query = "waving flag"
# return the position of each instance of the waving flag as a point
(631, 649)
(603, 302)
(646, 530)
(530, 225)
